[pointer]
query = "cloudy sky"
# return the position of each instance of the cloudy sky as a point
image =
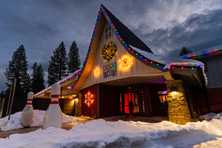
(164, 25)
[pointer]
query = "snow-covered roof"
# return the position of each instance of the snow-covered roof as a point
(213, 51)
(169, 61)
(73, 76)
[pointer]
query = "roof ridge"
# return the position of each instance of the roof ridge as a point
(128, 36)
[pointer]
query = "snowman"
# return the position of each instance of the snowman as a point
(27, 113)
(53, 115)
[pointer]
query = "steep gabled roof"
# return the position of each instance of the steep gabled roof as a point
(128, 36)
(130, 41)
(131, 44)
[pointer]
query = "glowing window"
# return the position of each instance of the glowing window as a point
(97, 72)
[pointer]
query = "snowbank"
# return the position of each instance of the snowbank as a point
(210, 144)
(101, 133)
(15, 121)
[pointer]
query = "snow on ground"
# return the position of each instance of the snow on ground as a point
(15, 121)
(100, 133)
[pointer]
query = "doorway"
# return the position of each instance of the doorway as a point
(131, 100)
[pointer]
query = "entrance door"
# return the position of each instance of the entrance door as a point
(131, 101)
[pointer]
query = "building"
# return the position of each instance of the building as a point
(121, 75)
(212, 58)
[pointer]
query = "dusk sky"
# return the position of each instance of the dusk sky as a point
(164, 25)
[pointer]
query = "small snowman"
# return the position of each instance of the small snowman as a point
(27, 113)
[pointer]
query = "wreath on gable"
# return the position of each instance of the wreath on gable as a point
(109, 51)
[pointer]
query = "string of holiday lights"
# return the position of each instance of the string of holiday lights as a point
(203, 53)
(163, 67)
(129, 49)
(153, 63)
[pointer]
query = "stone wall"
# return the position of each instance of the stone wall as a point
(178, 110)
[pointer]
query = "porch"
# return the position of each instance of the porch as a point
(137, 96)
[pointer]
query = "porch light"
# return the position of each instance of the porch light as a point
(163, 96)
(72, 102)
(69, 87)
(76, 100)
(175, 95)
(125, 63)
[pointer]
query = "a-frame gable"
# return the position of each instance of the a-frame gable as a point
(128, 36)
(94, 59)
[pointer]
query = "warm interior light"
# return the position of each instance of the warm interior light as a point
(76, 100)
(97, 72)
(175, 94)
(72, 102)
(125, 63)
(69, 87)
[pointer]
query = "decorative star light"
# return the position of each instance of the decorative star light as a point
(125, 63)
(89, 99)
(109, 51)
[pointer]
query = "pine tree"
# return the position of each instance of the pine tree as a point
(2, 102)
(73, 58)
(57, 65)
(17, 70)
(37, 78)
(184, 51)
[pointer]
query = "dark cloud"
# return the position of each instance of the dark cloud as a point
(198, 31)
(164, 25)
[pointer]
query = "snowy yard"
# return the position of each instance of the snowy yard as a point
(15, 121)
(100, 133)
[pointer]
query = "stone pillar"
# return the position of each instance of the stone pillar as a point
(27, 113)
(53, 115)
(178, 110)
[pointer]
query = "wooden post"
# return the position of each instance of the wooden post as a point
(178, 110)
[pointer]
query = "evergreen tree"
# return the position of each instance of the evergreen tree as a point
(37, 78)
(57, 65)
(184, 51)
(17, 70)
(2, 102)
(73, 58)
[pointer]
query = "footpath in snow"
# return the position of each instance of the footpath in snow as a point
(100, 133)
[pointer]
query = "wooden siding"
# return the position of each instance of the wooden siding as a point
(214, 71)
(138, 68)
